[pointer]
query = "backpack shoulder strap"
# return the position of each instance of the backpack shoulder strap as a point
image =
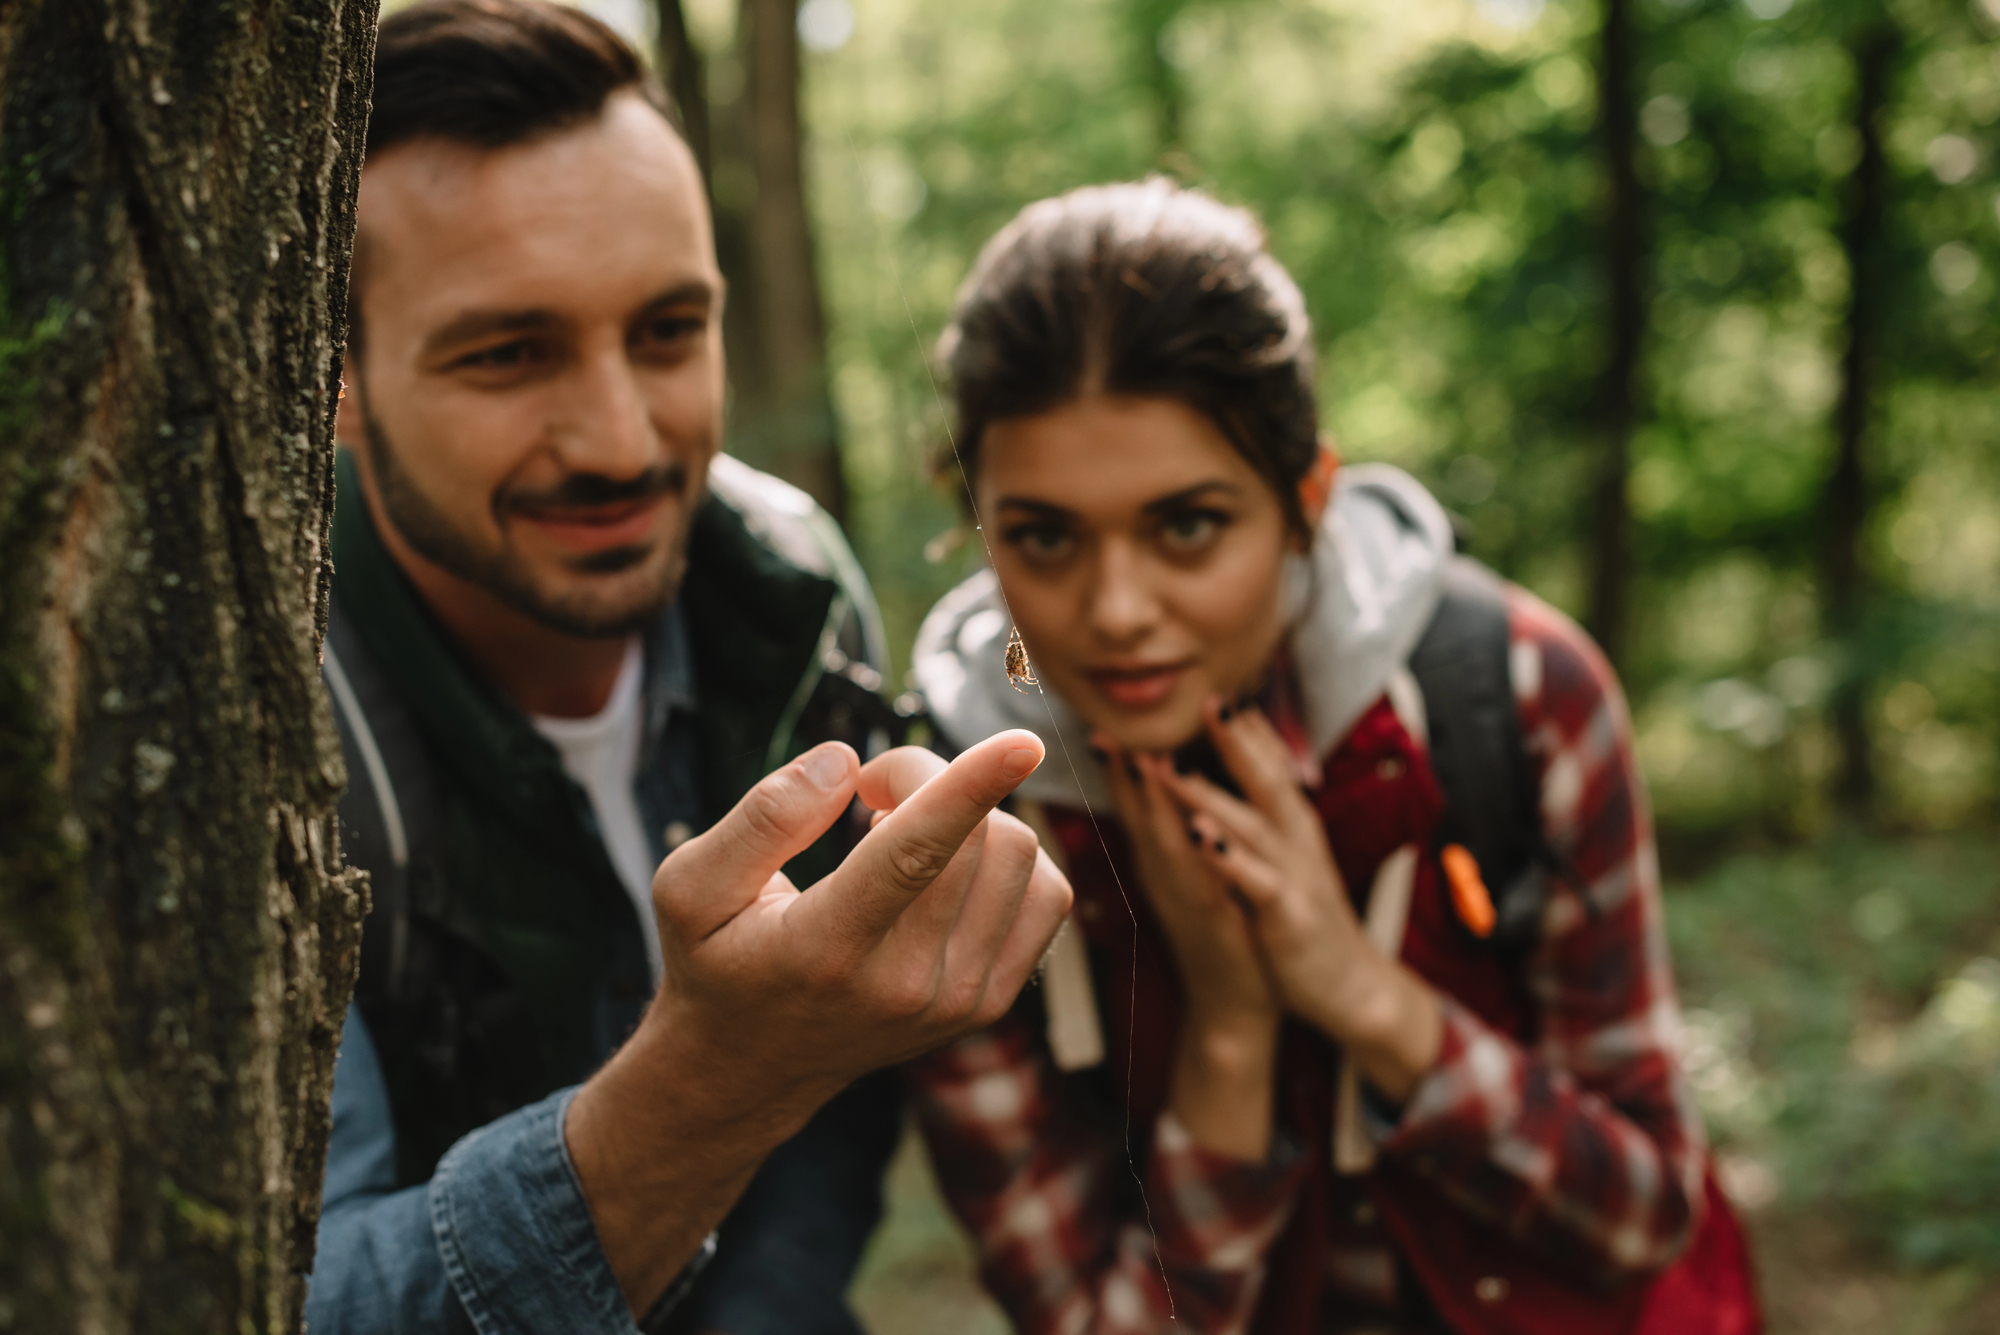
(388, 815)
(1481, 761)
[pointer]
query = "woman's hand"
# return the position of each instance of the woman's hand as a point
(1271, 846)
(1226, 1058)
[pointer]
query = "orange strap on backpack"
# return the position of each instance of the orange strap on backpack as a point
(1469, 894)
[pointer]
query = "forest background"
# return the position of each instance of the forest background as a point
(1685, 307)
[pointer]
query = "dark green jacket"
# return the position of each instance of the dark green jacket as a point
(501, 959)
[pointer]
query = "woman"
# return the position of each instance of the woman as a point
(1295, 1128)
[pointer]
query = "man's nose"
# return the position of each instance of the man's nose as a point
(608, 428)
(1122, 605)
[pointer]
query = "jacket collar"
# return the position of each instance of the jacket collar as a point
(739, 639)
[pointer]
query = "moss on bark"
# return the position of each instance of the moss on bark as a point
(177, 937)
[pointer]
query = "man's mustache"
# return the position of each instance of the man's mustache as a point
(582, 491)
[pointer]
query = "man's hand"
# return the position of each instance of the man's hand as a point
(775, 999)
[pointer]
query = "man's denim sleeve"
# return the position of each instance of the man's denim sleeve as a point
(792, 1243)
(500, 1239)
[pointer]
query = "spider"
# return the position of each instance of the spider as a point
(1020, 673)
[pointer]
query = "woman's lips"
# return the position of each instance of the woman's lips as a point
(1139, 687)
(595, 528)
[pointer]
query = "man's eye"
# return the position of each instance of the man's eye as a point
(1191, 530)
(672, 328)
(1040, 542)
(500, 357)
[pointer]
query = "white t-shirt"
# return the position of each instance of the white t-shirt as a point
(602, 754)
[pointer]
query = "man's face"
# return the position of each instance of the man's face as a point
(539, 388)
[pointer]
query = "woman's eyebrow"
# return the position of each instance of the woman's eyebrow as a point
(1188, 495)
(1163, 505)
(1042, 509)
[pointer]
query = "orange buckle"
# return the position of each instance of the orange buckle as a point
(1468, 890)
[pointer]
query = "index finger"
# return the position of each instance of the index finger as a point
(887, 781)
(1258, 762)
(911, 846)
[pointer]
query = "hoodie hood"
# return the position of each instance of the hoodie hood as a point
(1357, 605)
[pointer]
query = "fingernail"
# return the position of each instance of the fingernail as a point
(1224, 712)
(1194, 836)
(1222, 845)
(1131, 769)
(825, 767)
(1020, 762)
(1099, 754)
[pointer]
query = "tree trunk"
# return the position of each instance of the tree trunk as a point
(1873, 51)
(1624, 273)
(781, 408)
(177, 940)
(1150, 22)
(687, 83)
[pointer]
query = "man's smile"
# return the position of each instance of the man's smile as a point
(592, 528)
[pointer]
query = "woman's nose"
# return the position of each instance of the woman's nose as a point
(1122, 605)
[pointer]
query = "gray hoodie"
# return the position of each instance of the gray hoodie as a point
(1356, 604)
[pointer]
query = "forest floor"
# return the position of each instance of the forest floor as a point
(1844, 1023)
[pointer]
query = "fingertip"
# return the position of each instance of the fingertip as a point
(1021, 761)
(829, 766)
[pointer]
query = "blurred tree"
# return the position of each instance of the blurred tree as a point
(781, 411)
(1152, 28)
(1873, 45)
(1624, 250)
(679, 61)
(177, 186)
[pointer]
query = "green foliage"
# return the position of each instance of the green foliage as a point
(1844, 1024)
(1429, 174)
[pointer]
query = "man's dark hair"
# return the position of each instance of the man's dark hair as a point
(491, 73)
(496, 72)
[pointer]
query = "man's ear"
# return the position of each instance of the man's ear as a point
(1316, 487)
(348, 427)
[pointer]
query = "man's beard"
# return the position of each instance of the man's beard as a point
(502, 573)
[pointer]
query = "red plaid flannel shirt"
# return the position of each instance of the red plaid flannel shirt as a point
(1587, 1141)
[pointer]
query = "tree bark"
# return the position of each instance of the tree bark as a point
(177, 937)
(775, 325)
(1873, 51)
(1624, 273)
(680, 62)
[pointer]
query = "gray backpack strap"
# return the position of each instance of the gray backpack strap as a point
(387, 815)
(1492, 799)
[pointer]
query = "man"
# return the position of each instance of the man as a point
(567, 637)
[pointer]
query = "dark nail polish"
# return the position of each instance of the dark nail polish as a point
(1225, 712)
(1194, 836)
(1222, 845)
(1131, 769)
(1098, 753)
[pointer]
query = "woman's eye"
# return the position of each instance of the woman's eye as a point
(1191, 530)
(1040, 542)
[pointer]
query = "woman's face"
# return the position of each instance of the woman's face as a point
(1141, 556)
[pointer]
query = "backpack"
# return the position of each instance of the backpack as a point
(1492, 806)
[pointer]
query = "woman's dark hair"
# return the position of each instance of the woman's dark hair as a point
(1145, 289)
